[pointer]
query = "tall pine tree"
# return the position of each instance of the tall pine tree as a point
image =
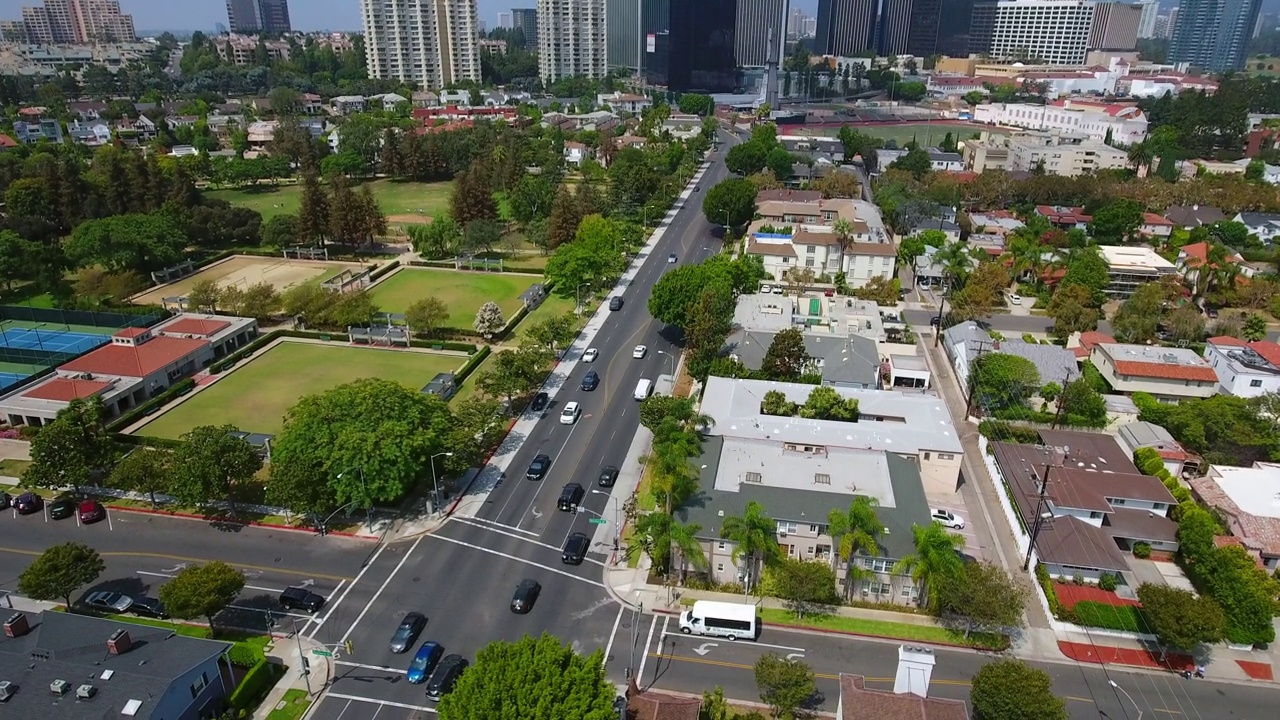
(313, 211)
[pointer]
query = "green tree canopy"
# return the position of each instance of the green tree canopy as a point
(984, 597)
(201, 591)
(1117, 221)
(1013, 690)
(128, 242)
(787, 686)
(594, 257)
(730, 202)
(786, 358)
(1001, 380)
(59, 571)
(1181, 619)
(70, 449)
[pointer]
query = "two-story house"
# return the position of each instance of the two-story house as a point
(624, 102)
(34, 131)
(1246, 499)
(575, 152)
(347, 104)
(1155, 226)
(1244, 369)
(1065, 218)
(817, 248)
(89, 133)
(1265, 225)
(1168, 374)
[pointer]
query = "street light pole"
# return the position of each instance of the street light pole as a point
(672, 358)
(435, 482)
(617, 517)
(577, 293)
(302, 660)
(1113, 684)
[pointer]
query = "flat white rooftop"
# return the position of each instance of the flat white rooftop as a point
(1136, 258)
(1255, 490)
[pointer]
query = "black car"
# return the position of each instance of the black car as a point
(445, 676)
(148, 607)
(615, 303)
(591, 380)
(575, 548)
(4, 500)
(28, 503)
(538, 468)
(539, 402)
(570, 497)
(62, 508)
(608, 476)
(297, 598)
(526, 594)
(410, 627)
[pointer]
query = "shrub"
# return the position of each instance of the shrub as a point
(1108, 581)
(244, 352)
(255, 685)
(1141, 550)
(179, 388)
(1078, 579)
(1046, 584)
(243, 655)
(471, 364)
(1126, 618)
(384, 270)
(1004, 432)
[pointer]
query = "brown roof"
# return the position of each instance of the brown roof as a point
(808, 237)
(779, 249)
(1137, 524)
(770, 208)
(1109, 483)
(1261, 533)
(881, 249)
(655, 705)
(805, 196)
(1101, 449)
(195, 326)
(131, 332)
(1167, 371)
(140, 361)
(65, 389)
(857, 702)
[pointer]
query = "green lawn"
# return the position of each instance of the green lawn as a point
(395, 198)
(255, 395)
(464, 292)
(553, 306)
(293, 706)
(879, 628)
(13, 468)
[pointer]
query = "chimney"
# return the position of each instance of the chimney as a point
(915, 668)
(119, 642)
(16, 626)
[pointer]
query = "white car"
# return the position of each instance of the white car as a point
(948, 519)
(590, 355)
(569, 415)
(640, 352)
(765, 289)
(1015, 298)
(109, 601)
(671, 258)
(777, 289)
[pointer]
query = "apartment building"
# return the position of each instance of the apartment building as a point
(243, 49)
(526, 21)
(1129, 268)
(1052, 32)
(1123, 124)
(1244, 369)
(1073, 157)
(70, 22)
(571, 39)
(431, 44)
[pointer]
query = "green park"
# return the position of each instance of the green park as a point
(463, 292)
(402, 201)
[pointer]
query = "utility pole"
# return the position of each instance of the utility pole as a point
(1040, 501)
(973, 379)
(1061, 402)
(302, 659)
(937, 328)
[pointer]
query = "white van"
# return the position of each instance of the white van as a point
(644, 389)
(726, 620)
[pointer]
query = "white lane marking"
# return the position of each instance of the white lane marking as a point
(752, 644)
(616, 621)
(276, 591)
(644, 656)
(381, 589)
(266, 610)
(517, 559)
(110, 526)
(385, 703)
(338, 602)
(512, 528)
(346, 663)
(511, 535)
(343, 711)
(542, 483)
(312, 619)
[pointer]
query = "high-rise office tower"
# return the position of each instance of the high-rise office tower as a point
(1147, 24)
(429, 42)
(504, 20)
(526, 21)
(571, 39)
(1052, 32)
(1115, 26)
(275, 16)
(1213, 34)
(242, 16)
(1161, 29)
(269, 16)
(845, 27)
(1172, 22)
(693, 50)
(624, 40)
(954, 20)
(756, 22)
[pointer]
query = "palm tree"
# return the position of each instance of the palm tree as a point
(755, 535)
(657, 534)
(1028, 256)
(1140, 156)
(956, 260)
(853, 532)
(842, 228)
(935, 561)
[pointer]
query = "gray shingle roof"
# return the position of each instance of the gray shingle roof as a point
(846, 360)
(1054, 363)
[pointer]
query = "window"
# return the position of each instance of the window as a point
(1255, 383)
(823, 552)
(720, 545)
(719, 567)
(908, 591)
(198, 686)
(822, 478)
(786, 527)
(753, 477)
(926, 456)
(817, 529)
(945, 456)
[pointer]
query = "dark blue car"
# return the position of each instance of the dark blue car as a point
(424, 661)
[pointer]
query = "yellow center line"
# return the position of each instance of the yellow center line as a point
(183, 558)
(740, 666)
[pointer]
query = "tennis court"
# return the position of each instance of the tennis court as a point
(64, 341)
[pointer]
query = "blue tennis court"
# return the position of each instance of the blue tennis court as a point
(8, 378)
(51, 340)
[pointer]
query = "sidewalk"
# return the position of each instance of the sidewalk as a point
(290, 651)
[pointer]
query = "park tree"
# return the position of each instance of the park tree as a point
(806, 586)
(259, 301)
(1117, 221)
(563, 219)
(1013, 690)
(592, 261)
(204, 296)
(439, 238)
(1181, 619)
(514, 372)
(489, 320)
(427, 315)
(212, 464)
(481, 235)
(69, 450)
(554, 332)
(145, 470)
(1072, 310)
(280, 231)
(1001, 380)
(59, 571)
(531, 679)
(984, 597)
(787, 686)
(367, 441)
(201, 591)
(786, 358)
(313, 212)
(531, 198)
(730, 202)
(128, 242)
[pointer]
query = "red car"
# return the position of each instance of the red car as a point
(91, 511)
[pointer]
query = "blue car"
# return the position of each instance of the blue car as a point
(424, 661)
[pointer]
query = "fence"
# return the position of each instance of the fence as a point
(96, 318)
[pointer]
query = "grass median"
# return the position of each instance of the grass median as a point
(292, 706)
(884, 629)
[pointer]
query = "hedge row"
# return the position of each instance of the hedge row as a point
(1149, 462)
(471, 364)
(243, 352)
(1004, 432)
(450, 265)
(384, 270)
(255, 685)
(468, 348)
(182, 387)
(1126, 618)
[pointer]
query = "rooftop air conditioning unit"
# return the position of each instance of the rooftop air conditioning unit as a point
(7, 689)
(59, 687)
(86, 691)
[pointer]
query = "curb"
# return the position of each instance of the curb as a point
(251, 523)
(458, 500)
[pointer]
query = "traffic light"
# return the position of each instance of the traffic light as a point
(346, 645)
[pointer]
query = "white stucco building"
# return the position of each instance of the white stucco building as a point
(1126, 124)
(432, 44)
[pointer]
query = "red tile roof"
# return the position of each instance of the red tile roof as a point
(1088, 339)
(1138, 368)
(140, 361)
(1111, 109)
(1227, 340)
(857, 702)
(1154, 219)
(1261, 533)
(195, 326)
(1268, 350)
(130, 332)
(65, 389)
(952, 81)
(1056, 214)
(7, 142)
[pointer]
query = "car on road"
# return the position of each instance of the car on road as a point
(615, 303)
(575, 549)
(538, 468)
(570, 497)
(91, 511)
(591, 380)
(948, 519)
(28, 503)
(526, 595)
(608, 476)
(671, 258)
(109, 601)
(148, 607)
(1211, 311)
(697, 188)
(590, 355)
(640, 351)
(424, 661)
(62, 508)
(445, 676)
(300, 598)
(539, 402)
(569, 415)
(1015, 298)
(408, 631)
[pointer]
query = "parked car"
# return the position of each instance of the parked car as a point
(765, 288)
(62, 508)
(148, 607)
(28, 503)
(575, 548)
(424, 661)
(591, 380)
(590, 355)
(538, 468)
(640, 351)
(570, 497)
(91, 511)
(539, 402)
(410, 627)
(615, 303)
(933, 321)
(608, 476)
(1015, 298)
(445, 676)
(298, 598)
(948, 519)
(113, 602)
(569, 415)
(526, 595)
(778, 289)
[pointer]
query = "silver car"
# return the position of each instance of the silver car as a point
(410, 627)
(113, 602)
